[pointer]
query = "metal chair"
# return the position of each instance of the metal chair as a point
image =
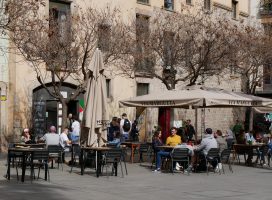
(145, 149)
(225, 159)
(55, 152)
(39, 159)
(212, 156)
(113, 157)
(179, 155)
(76, 154)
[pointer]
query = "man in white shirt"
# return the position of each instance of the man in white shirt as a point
(64, 142)
(125, 127)
(75, 130)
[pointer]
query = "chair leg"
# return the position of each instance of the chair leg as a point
(121, 169)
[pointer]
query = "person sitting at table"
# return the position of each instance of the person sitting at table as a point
(171, 140)
(156, 141)
(116, 142)
(51, 138)
(221, 141)
(64, 142)
(26, 136)
(184, 144)
(249, 138)
(240, 139)
(203, 148)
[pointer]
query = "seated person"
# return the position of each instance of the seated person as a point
(51, 138)
(156, 141)
(203, 148)
(184, 145)
(172, 140)
(26, 136)
(64, 142)
(240, 138)
(249, 138)
(116, 140)
(221, 141)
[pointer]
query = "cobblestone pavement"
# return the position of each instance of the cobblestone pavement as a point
(140, 183)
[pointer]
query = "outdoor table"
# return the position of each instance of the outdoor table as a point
(166, 147)
(133, 146)
(98, 155)
(25, 151)
(248, 149)
(38, 145)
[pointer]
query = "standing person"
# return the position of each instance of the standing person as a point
(70, 122)
(75, 130)
(125, 127)
(64, 142)
(26, 136)
(134, 131)
(114, 127)
(190, 130)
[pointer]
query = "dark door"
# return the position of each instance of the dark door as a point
(51, 114)
(164, 122)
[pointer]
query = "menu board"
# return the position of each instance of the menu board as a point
(39, 118)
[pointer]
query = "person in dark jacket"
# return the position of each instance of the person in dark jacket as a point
(114, 127)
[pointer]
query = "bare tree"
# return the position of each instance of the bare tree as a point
(61, 47)
(252, 56)
(183, 47)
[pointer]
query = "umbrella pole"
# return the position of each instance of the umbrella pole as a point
(196, 127)
(202, 121)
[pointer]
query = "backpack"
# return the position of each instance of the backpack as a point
(126, 126)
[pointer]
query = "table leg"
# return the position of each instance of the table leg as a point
(45, 170)
(9, 160)
(98, 163)
(81, 162)
(24, 167)
(132, 153)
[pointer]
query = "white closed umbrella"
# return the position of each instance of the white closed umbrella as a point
(96, 111)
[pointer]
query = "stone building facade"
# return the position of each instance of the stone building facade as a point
(20, 87)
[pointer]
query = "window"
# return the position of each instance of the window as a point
(103, 37)
(207, 4)
(189, 2)
(60, 29)
(168, 47)
(169, 4)
(143, 1)
(108, 87)
(59, 13)
(267, 74)
(234, 9)
(142, 89)
(142, 56)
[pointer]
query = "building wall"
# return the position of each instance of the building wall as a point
(22, 79)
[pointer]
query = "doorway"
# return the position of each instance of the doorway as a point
(164, 122)
(51, 114)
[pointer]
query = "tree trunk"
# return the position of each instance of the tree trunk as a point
(64, 114)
